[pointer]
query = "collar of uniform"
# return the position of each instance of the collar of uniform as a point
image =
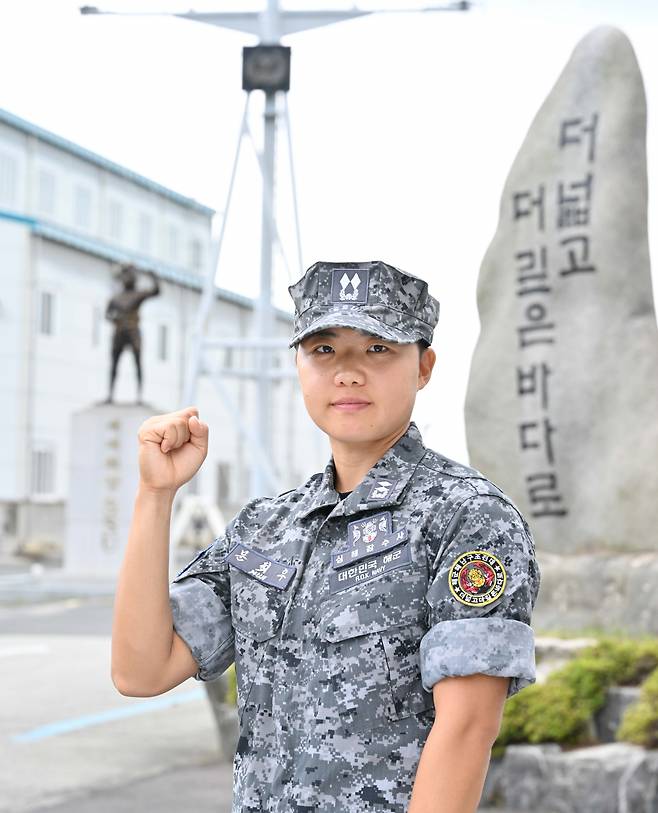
(396, 465)
(324, 494)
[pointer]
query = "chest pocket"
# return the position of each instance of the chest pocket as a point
(258, 607)
(373, 657)
(257, 612)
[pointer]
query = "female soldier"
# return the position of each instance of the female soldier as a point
(378, 615)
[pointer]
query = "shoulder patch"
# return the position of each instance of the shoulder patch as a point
(477, 578)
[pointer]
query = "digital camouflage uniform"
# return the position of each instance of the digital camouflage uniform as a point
(341, 615)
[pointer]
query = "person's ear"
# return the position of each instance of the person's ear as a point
(425, 366)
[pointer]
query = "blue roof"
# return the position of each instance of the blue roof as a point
(104, 163)
(105, 251)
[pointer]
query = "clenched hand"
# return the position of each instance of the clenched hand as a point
(172, 448)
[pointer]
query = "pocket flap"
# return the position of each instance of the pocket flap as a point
(373, 614)
(257, 608)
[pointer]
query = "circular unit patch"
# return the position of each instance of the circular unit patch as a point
(477, 578)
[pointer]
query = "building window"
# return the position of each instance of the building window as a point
(96, 321)
(115, 219)
(173, 243)
(82, 207)
(223, 482)
(228, 358)
(47, 313)
(7, 180)
(163, 342)
(196, 255)
(145, 233)
(43, 471)
(46, 192)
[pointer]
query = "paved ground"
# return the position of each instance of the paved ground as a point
(202, 789)
(69, 742)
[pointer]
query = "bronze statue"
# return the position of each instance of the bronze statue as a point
(123, 310)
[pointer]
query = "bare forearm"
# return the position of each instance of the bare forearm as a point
(451, 771)
(142, 629)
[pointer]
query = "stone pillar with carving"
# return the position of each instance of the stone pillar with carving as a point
(562, 402)
(103, 481)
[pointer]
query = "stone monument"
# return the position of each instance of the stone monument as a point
(104, 469)
(562, 402)
(104, 474)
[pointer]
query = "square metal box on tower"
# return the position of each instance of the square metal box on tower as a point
(266, 67)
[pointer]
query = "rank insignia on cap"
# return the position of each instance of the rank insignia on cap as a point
(477, 578)
(350, 285)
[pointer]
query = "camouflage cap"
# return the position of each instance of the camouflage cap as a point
(371, 296)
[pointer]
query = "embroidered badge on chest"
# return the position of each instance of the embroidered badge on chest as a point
(369, 529)
(265, 570)
(477, 578)
(366, 537)
(381, 490)
(369, 568)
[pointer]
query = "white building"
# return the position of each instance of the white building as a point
(67, 217)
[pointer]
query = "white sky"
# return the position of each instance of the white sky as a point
(404, 129)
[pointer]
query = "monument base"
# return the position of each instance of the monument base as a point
(597, 593)
(103, 483)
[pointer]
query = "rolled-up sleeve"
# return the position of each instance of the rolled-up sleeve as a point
(484, 581)
(200, 600)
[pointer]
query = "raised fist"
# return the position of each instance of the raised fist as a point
(172, 448)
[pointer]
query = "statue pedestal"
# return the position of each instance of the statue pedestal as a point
(104, 476)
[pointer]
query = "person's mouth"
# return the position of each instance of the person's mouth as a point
(350, 404)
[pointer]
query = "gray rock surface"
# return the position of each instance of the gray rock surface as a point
(607, 719)
(613, 778)
(605, 592)
(554, 653)
(562, 401)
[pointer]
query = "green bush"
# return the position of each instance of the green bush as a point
(640, 722)
(560, 709)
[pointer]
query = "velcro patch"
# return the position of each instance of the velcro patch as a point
(369, 569)
(350, 285)
(370, 529)
(381, 489)
(265, 570)
(348, 555)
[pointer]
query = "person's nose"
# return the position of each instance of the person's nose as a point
(348, 374)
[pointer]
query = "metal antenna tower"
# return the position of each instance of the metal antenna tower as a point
(266, 67)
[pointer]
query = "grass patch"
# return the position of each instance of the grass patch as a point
(561, 709)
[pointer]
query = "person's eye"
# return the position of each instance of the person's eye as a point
(379, 348)
(321, 348)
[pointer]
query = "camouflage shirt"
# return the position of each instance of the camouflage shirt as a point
(341, 615)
